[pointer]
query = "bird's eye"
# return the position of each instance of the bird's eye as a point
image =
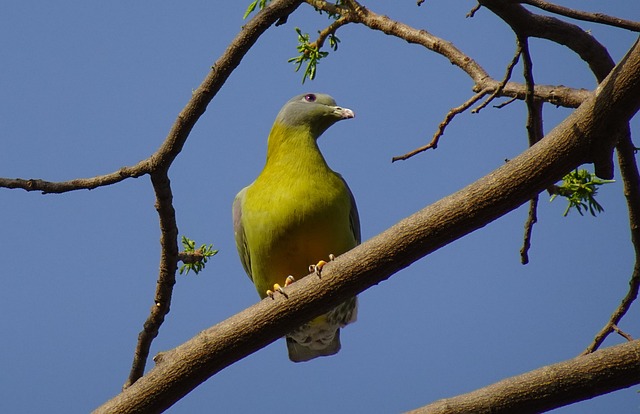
(310, 97)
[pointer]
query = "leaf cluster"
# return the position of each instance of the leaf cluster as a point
(311, 54)
(201, 255)
(579, 187)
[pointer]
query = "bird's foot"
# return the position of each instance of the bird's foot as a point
(277, 288)
(317, 268)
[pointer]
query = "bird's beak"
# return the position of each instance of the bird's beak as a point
(343, 113)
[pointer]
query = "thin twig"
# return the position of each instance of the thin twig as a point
(330, 30)
(535, 132)
(585, 16)
(166, 277)
(555, 94)
(505, 103)
(191, 257)
(436, 137)
(528, 230)
(558, 31)
(52, 187)
(622, 333)
(501, 85)
(631, 181)
(473, 11)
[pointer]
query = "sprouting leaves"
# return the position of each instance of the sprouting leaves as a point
(311, 54)
(333, 41)
(579, 187)
(195, 259)
(255, 3)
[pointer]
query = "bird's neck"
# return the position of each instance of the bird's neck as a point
(294, 148)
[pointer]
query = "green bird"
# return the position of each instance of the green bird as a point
(297, 212)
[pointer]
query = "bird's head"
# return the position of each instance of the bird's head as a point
(317, 111)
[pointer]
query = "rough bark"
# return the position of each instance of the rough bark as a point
(577, 140)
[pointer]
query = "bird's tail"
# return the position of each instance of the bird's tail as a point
(321, 336)
(300, 353)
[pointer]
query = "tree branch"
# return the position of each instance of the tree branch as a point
(552, 386)
(164, 157)
(157, 166)
(586, 16)
(590, 50)
(166, 276)
(186, 119)
(528, 24)
(47, 187)
(567, 146)
(447, 119)
(535, 132)
(558, 95)
(503, 83)
(631, 179)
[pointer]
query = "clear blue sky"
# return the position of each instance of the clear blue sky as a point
(88, 87)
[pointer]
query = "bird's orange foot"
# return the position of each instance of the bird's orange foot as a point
(317, 268)
(277, 288)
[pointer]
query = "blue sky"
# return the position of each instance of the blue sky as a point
(88, 87)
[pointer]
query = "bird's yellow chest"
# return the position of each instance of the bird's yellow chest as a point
(294, 221)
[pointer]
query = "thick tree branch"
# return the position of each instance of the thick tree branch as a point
(483, 83)
(550, 387)
(600, 63)
(557, 95)
(567, 146)
(528, 24)
(586, 46)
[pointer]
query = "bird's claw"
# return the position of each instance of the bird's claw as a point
(317, 268)
(277, 288)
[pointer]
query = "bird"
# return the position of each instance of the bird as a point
(297, 211)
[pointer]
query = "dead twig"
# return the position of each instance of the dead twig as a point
(436, 137)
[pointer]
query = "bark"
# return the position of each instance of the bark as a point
(578, 139)
(550, 387)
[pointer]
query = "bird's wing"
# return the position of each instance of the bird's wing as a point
(354, 218)
(238, 230)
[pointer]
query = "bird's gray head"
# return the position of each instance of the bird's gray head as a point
(317, 111)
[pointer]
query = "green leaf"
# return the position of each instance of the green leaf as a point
(255, 3)
(308, 53)
(204, 250)
(580, 187)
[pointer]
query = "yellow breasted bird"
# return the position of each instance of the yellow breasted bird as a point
(297, 212)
